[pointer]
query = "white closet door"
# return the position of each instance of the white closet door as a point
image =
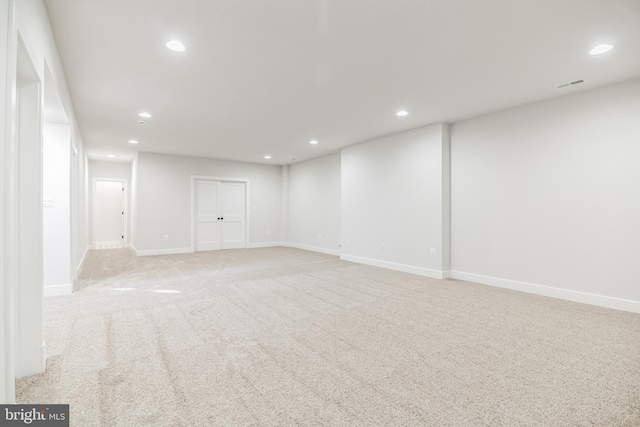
(108, 215)
(233, 215)
(207, 222)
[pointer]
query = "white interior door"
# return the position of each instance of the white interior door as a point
(233, 215)
(108, 214)
(207, 227)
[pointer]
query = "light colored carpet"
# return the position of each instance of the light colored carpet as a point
(280, 336)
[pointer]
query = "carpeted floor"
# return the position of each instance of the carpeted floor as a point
(283, 337)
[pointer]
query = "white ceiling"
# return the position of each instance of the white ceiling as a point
(265, 77)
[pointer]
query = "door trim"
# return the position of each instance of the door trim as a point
(247, 214)
(125, 205)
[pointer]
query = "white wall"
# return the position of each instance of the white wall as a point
(546, 197)
(117, 171)
(393, 201)
(33, 23)
(56, 176)
(314, 204)
(133, 194)
(28, 20)
(163, 202)
(7, 390)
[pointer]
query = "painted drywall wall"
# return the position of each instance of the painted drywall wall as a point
(7, 384)
(56, 214)
(163, 200)
(117, 171)
(27, 21)
(30, 351)
(284, 202)
(546, 197)
(33, 23)
(392, 201)
(314, 204)
(134, 198)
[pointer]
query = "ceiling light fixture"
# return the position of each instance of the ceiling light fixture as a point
(267, 157)
(133, 141)
(176, 46)
(145, 115)
(401, 113)
(111, 156)
(573, 83)
(600, 49)
(314, 142)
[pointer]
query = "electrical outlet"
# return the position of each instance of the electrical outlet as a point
(319, 235)
(433, 251)
(383, 246)
(268, 232)
(166, 237)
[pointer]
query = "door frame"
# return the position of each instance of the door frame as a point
(247, 215)
(125, 206)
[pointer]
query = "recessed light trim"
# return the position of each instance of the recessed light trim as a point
(313, 142)
(111, 156)
(133, 141)
(600, 49)
(267, 157)
(145, 115)
(402, 113)
(176, 46)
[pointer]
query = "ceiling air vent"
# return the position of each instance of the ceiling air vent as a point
(573, 83)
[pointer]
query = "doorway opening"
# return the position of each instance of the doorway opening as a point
(56, 193)
(109, 212)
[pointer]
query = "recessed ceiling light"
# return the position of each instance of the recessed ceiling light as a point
(601, 48)
(267, 157)
(111, 156)
(145, 115)
(133, 141)
(176, 46)
(401, 113)
(142, 122)
(314, 142)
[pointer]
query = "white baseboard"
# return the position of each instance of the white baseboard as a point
(420, 271)
(548, 291)
(327, 251)
(265, 245)
(79, 267)
(34, 361)
(169, 251)
(110, 244)
(57, 290)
